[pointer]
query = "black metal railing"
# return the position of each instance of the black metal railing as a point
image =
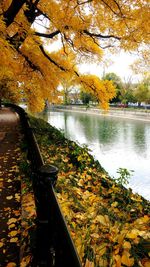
(54, 246)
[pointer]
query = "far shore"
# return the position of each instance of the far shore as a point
(141, 115)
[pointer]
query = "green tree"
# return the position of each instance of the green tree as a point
(142, 93)
(126, 90)
(86, 97)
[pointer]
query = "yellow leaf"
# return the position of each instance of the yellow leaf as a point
(146, 218)
(11, 220)
(114, 204)
(102, 251)
(143, 220)
(1, 184)
(89, 263)
(17, 197)
(16, 212)
(11, 264)
(80, 183)
(25, 261)
(103, 262)
(9, 197)
(118, 260)
(65, 160)
(126, 245)
(133, 234)
(94, 235)
(11, 226)
(1, 244)
(13, 233)
(102, 219)
(14, 240)
(126, 260)
(147, 263)
(7, 209)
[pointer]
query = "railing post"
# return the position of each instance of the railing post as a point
(43, 180)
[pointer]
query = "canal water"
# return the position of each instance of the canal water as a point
(114, 142)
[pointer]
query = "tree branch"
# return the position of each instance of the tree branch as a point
(29, 62)
(31, 12)
(98, 35)
(30, 15)
(119, 8)
(47, 35)
(110, 8)
(50, 59)
(85, 2)
(12, 11)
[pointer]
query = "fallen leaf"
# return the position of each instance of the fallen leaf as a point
(11, 220)
(17, 197)
(114, 204)
(14, 240)
(94, 235)
(81, 182)
(126, 245)
(118, 260)
(9, 197)
(126, 260)
(1, 244)
(102, 250)
(133, 234)
(147, 263)
(11, 264)
(25, 261)
(13, 233)
(11, 226)
(7, 209)
(89, 263)
(16, 212)
(102, 219)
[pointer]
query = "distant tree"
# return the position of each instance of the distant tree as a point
(66, 90)
(142, 64)
(142, 93)
(86, 97)
(126, 92)
(75, 96)
(117, 83)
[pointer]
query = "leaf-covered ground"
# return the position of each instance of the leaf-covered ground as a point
(17, 210)
(108, 223)
(10, 189)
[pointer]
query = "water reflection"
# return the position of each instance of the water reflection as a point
(115, 142)
(139, 138)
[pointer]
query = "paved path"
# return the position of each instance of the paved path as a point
(10, 188)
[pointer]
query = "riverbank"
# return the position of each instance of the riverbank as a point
(134, 114)
(105, 231)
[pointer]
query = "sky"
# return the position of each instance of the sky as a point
(120, 66)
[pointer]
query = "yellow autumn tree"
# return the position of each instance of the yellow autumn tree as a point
(43, 42)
